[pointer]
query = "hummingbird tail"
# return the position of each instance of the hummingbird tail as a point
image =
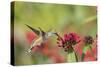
(29, 50)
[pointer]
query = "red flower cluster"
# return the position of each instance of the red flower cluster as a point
(68, 41)
(71, 38)
(88, 40)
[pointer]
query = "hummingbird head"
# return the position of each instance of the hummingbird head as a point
(49, 34)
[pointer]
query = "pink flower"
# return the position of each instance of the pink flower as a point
(68, 41)
(71, 38)
(88, 40)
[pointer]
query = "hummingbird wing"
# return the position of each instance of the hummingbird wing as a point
(42, 33)
(50, 30)
(34, 30)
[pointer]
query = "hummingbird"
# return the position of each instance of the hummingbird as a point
(42, 37)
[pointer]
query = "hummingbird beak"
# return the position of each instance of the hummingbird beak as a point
(54, 33)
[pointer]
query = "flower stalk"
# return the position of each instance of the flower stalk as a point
(88, 41)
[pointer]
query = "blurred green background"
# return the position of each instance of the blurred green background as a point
(62, 18)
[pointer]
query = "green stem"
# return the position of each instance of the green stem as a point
(82, 57)
(76, 56)
(85, 48)
(92, 52)
(72, 56)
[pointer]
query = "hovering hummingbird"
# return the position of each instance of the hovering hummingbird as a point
(43, 36)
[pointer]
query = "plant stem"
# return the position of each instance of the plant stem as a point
(92, 52)
(76, 56)
(85, 48)
(72, 56)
